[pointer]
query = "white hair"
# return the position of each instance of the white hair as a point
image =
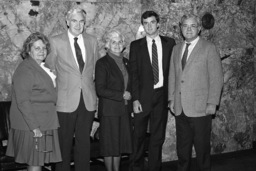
(74, 10)
(110, 35)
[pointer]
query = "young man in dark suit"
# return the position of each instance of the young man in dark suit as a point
(149, 62)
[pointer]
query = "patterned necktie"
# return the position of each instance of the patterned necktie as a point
(185, 56)
(79, 56)
(155, 62)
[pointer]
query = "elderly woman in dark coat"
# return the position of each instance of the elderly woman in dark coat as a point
(113, 90)
(33, 137)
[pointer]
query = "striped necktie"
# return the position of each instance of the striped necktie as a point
(155, 62)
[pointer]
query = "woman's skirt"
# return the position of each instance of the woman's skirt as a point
(34, 151)
(115, 133)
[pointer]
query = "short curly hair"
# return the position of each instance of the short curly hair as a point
(32, 38)
(110, 35)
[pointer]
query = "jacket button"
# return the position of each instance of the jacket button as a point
(182, 81)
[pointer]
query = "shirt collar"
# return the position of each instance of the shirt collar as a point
(194, 41)
(71, 37)
(149, 39)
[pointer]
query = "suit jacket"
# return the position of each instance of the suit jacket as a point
(70, 81)
(33, 98)
(142, 73)
(199, 83)
(110, 87)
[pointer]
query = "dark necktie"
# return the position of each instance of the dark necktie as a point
(79, 56)
(185, 56)
(155, 62)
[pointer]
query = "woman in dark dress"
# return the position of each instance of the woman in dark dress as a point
(113, 90)
(33, 137)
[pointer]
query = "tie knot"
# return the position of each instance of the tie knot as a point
(153, 40)
(75, 38)
(187, 44)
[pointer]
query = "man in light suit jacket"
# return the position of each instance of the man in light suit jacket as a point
(195, 83)
(149, 91)
(73, 57)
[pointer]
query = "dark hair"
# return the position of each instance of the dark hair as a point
(148, 14)
(32, 38)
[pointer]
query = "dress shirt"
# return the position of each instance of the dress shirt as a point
(190, 48)
(80, 42)
(160, 57)
(50, 73)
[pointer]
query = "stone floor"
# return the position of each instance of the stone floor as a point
(235, 161)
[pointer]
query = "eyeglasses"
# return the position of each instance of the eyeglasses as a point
(43, 144)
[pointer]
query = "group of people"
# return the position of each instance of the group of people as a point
(56, 87)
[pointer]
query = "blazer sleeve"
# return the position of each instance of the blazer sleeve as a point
(134, 72)
(171, 79)
(23, 85)
(102, 88)
(96, 56)
(52, 56)
(215, 76)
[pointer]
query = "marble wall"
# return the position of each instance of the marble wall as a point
(234, 33)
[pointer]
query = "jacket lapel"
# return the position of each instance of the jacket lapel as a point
(144, 52)
(47, 79)
(87, 49)
(165, 53)
(179, 57)
(69, 51)
(126, 64)
(193, 54)
(116, 68)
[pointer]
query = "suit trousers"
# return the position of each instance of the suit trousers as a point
(193, 131)
(157, 119)
(76, 125)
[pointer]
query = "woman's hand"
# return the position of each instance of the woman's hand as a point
(127, 95)
(37, 132)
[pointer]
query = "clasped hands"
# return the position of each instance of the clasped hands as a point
(37, 132)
